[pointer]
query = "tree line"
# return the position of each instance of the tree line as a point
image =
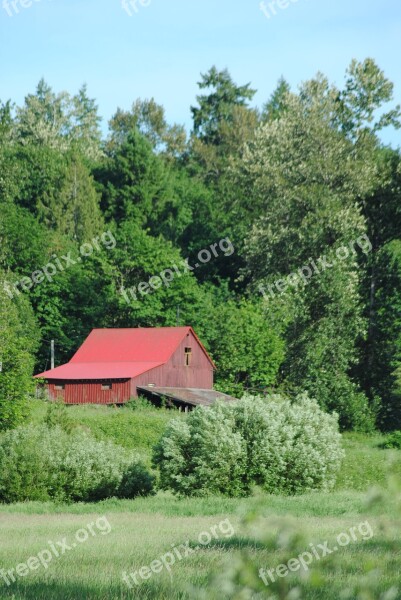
(287, 184)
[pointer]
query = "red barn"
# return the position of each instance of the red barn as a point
(114, 365)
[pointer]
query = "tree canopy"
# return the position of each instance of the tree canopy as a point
(303, 189)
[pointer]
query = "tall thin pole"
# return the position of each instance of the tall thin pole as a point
(52, 354)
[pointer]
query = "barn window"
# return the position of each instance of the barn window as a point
(59, 386)
(106, 387)
(188, 356)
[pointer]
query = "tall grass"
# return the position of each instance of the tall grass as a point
(146, 528)
(136, 430)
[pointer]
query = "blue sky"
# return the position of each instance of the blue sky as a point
(161, 49)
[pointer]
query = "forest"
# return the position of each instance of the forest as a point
(274, 231)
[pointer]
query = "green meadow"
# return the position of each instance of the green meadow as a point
(264, 532)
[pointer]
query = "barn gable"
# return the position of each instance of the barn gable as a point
(112, 363)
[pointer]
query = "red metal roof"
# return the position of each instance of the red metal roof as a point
(120, 353)
(118, 370)
(131, 345)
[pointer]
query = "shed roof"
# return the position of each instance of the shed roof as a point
(120, 353)
(190, 396)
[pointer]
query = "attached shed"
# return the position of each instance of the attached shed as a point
(183, 398)
(112, 364)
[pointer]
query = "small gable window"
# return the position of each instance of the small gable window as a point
(188, 357)
(106, 387)
(59, 386)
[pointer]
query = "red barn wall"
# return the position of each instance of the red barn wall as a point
(175, 373)
(90, 392)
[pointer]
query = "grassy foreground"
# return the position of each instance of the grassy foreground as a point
(261, 532)
(143, 530)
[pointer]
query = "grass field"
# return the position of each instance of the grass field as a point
(137, 430)
(145, 529)
(259, 533)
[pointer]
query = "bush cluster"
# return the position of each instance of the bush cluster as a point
(393, 441)
(49, 463)
(282, 446)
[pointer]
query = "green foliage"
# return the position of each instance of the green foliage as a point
(139, 404)
(137, 185)
(202, 456)
(383, 355)
(25, 469)
(218, 106)
(276, 105)
(57, 416)
(364, 466)
(393, 441)
(149, 118)
(41, 463)
(59, 121)
(292, 447)
(24, 241)
(136, 430)
(76, 212)
(89, 470)
(18, 344)
(287, 184)
(136, 481)
(367, 90)
(31, 176)
(306, 209)
(247, 350)
(137, 258)
(227, 449)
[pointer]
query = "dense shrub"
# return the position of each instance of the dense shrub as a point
(393, 441)
(292, 447)
(282, 446)
(140, 403)
(25, 466)
(57, 415)
(202, 455)
(136, 481)
(42, 463)
(341, 395)
(90, 470)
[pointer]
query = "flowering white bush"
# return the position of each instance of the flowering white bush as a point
(89, 469)
(41, 463)
(203, 455)
(282, 446)
(292, 447)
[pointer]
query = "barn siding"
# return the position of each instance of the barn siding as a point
(176, 374)
(90, 392)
